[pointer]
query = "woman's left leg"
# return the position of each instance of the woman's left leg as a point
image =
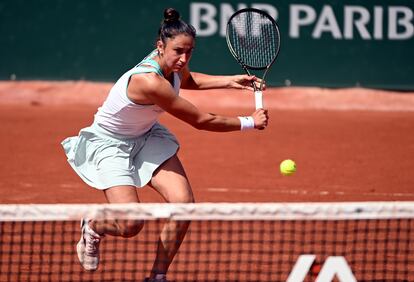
(171, 182)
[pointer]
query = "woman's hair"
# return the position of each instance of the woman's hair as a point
(172, 26)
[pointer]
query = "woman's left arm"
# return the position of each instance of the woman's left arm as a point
(201, 81)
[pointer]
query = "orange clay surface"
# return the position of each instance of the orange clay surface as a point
(348, 144)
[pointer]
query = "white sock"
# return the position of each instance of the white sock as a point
(160, 276)
(91, 231)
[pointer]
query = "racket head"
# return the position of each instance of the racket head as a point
(253, 38)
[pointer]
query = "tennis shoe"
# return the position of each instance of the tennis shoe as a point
(156, 280)
(88, 247)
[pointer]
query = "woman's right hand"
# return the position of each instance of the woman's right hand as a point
(260, 118)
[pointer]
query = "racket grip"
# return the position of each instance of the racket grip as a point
(258, 98)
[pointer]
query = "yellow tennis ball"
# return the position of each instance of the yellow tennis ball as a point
(287, 167)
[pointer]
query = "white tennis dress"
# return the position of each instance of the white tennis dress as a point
(125, 144)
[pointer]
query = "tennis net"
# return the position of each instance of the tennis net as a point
(358, 241)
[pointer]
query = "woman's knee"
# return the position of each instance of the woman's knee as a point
(182, 196)
(129, 228)
(180, 193)
(189, 198)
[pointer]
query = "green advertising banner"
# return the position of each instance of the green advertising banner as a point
(324, 43)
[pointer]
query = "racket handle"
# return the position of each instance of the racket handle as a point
(258, 98)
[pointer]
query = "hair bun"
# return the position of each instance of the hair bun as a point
(171, 15)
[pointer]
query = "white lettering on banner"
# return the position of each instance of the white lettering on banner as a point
(327, 23)
(205, 14)
(197, 18)
(358, 17)
(358, 21)
(296, 20)
(405, 22)
(226, 10)
(335, 266)
(378, 18)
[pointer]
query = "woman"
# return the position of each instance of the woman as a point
(126, 147)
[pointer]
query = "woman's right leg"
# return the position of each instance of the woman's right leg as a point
(94, 230)
(124, 228)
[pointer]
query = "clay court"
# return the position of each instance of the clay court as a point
(349, 145)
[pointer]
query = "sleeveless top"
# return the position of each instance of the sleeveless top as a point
(120, 115)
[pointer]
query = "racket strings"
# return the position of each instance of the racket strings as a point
(254, 38)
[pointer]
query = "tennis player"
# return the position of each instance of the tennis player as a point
(126, 148)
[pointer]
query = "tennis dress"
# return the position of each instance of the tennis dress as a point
(125, 144)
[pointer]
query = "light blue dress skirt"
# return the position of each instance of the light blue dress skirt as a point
(104, 159)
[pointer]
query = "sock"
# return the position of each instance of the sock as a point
(160, 276)
(91, 231)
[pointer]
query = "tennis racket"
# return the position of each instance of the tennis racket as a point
(253, 39)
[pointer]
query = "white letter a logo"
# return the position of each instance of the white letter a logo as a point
(333, 266)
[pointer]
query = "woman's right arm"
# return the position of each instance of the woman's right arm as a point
(158, 90)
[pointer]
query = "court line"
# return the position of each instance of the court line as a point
(303, 192)
(266, 191)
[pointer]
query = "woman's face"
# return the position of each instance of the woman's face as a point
(176, 53)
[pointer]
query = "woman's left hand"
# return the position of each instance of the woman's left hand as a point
(244, 81)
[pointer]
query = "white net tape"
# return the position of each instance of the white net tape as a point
(209, 211)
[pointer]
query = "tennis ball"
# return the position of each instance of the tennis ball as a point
(287, 167)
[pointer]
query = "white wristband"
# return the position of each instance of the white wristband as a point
(246, 123)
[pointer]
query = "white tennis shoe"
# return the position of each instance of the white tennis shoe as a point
(88, 247)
